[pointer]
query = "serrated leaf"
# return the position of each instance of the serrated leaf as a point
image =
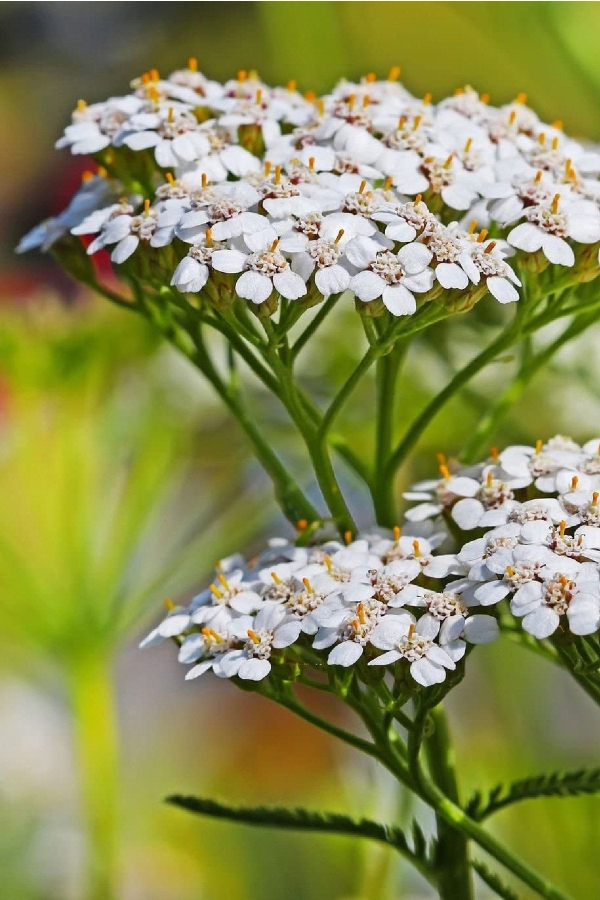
(307, 820)
(555, 784)
(493, 881)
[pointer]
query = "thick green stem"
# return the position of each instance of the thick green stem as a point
(94, 716)
(452, 856)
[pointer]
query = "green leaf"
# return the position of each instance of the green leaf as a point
(305, 820)
(555, 784)
(493, 881)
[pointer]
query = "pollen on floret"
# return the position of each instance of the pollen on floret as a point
(490, 246)
(388, 183)
(193, 64)
(521, 98)
(208, 237)
(538, 176)
(274, 246)
(538, 446)
(482, 235)
(558, 125)
(411, 631)
(417, 199)
(310, 96)
(277, 178)
(154, 75)
(510, 571)
(339, 236)
(328, 563)
(397, 532)
(275, 577)
(311, 163)
(444, 471)
(555, 143)
(223, 581)
(512, 117)
(258, 96)
(595, 497)
(555, 202)
(253, 636)
(308, 585)
(468, 145)
(494, 452)
(394, 73)
(562, 528)
(242, 75)
(427, 98)
(348, 537)
(362, 186)
(541, 138)
(370, 77)
(170, 178)
(360, 609)
(146, 206)
(417, 122)
(416, 549)
(489, 479)
(81, 105)
(574, 482)
(473, 226)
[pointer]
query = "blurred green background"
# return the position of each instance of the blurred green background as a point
(121, 481)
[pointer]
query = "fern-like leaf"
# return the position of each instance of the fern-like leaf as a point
(306, 820)
(555, 784)
(493, 881)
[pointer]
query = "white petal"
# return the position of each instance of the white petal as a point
(541, 623)
(367, 286)
(254, 669)
(502, 290)
(289, 284)
(345, 654)
(125, 248)
(231, 261)
(450, 275)
(558, 251)
(397, 299)
(332, 280)
(467, 513)
(427, 673)
(414, 258)
(481, 629)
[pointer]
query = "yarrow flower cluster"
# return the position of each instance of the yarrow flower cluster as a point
(338, 604)
(535, 512)
(243, 190)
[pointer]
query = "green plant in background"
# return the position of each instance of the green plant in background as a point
(240, 217)
(104, 505)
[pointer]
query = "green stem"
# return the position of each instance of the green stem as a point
(452, 856)
(94, 717)
(387, 377)
(314, 324)
(499, 345)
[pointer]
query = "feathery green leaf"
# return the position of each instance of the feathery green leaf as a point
(555, 784)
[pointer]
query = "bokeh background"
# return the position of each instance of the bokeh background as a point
(121, 481)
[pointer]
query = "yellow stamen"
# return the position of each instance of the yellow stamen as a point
(242, 75)
(555, 143)
(267, 169)
(510, 571)
(170, 178)
(473, 226)
(274, 246)
(458, 92)
(348, 537)
(277, 179)
(366, 101)
(154, 75)
(538, 446)
(482, 235)
(490, 246)
(321, 107)
(87, 176)
(218, 593)
(81, 105)
(494, 453)
(308, 586)
(489, 479)
(146, 78)
(223, 581)
(253, 75)
(561, 528)
(538, 176)
(253, 636)
(417, 122)
(427, 98)
(292, 84)
(555, 202)
(310, 96)
(574, 482)
(351, 101)
(169, 604)
(193, 64)
(102, 173)
(468, 145)
(146, 206)
(417, 199)
(512, 117)
(445, 471)
(340, 235)
(558, 125)
(595, 497)
(361, 613)
(416, 549)
(328, 563)
(411, 631)
(485, 97)
(301, 524)
(370, 77)
(170, 114)
(362, 186)
(204, 180)
(388, 183)
(541, 139)
(258, 96)
(209, 238)
(521, 98)
(401, 123)
(394, 73)
(568, 165)
(397, 532)
(311, 163)
(153, 94)
(276, 578)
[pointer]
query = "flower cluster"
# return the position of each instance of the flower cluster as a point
(334, 603)
(536, 514)
(243, 190)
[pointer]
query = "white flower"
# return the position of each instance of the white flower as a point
(127, 232)
(393, 277)
(481, 260)
(271, 629)
(549, 226)
(349, 629)
(263, 271)
(193, 271)
(405, 638)
(228, 594)
(173, 133)
(325, 257)
(573, 591)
